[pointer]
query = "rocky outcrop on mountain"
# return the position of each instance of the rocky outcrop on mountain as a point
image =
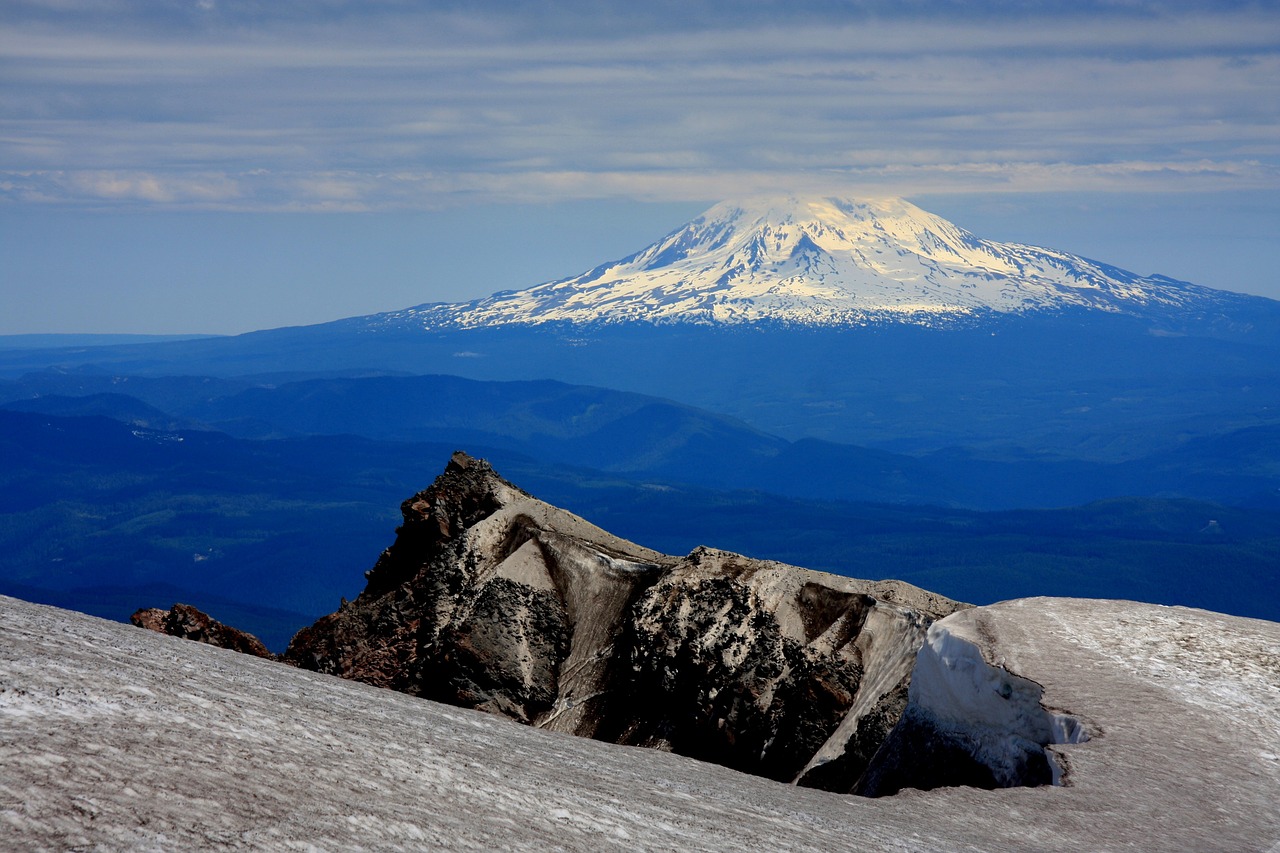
(183, 620)
(488, 598)
(494, 600)
(772, 669)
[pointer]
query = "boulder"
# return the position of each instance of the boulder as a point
(183, 620)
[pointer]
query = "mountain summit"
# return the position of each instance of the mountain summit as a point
(824, 262)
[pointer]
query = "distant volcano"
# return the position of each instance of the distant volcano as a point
(827, 262)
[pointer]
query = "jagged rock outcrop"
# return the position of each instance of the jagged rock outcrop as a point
(492, 599)
(772, 669)
(183, 620)
(488, 598)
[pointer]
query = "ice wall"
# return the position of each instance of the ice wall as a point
(969, 722)
(994, 711)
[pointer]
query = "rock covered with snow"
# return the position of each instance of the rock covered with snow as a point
(825, 262)
(969, 721)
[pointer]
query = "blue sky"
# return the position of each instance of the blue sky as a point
(217, 166)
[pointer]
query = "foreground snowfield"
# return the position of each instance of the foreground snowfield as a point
(112, 737)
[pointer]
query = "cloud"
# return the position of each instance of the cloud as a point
(359, 191)
(352, 106)
(108, 187)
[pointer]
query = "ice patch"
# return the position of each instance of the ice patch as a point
(997, 714)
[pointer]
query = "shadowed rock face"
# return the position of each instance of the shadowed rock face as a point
(183, 620)
(772, 669)
(488, 599)
(491, 599)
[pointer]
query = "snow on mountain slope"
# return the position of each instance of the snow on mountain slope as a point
(115, 738)
(822, 262)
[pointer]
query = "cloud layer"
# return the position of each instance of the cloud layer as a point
(381, 106)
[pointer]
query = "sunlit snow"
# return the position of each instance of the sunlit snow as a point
(818, 261)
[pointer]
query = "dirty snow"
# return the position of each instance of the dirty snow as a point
(112, 737)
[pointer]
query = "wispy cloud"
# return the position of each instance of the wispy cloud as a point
(378, 106)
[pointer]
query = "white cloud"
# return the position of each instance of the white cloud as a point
(339, 108)
(91, 187)
(668, 179)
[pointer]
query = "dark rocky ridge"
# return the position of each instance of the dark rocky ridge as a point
(491, 599)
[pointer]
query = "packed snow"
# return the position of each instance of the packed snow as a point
(112, 737)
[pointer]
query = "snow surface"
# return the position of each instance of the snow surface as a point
(819, 261)
(112, 737)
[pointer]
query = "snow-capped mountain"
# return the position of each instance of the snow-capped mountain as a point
(823, 262)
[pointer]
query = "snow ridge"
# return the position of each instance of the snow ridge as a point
(821, 262)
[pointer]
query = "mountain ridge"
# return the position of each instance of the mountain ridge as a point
(827, 262)
(494, 600)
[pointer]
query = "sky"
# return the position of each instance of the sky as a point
(217, 167)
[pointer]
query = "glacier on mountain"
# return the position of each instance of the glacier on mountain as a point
(821, 262)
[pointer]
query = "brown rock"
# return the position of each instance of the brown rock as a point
(151, 618)
(183, 620)
(476, 602)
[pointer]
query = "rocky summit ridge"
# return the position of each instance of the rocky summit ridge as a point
(493, 600)
(825, 262)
